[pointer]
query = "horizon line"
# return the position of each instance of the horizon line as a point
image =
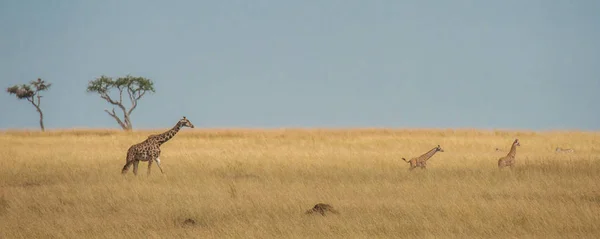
(297, 128)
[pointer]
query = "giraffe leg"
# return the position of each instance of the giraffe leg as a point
(158, 163)
(149, 166)
(135, 166)
(126, 167)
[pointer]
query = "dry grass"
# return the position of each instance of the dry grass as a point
(259, 183)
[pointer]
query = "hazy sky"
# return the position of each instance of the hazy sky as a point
(514, 64)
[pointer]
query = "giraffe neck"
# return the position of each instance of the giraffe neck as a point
(513, 151)
(166, 136)
(428, 155)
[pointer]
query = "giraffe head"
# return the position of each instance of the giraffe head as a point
(185, 122)
(516, 143)
(439, 149)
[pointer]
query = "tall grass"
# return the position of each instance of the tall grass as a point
(258, 183)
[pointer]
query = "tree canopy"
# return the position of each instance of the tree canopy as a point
(133, 88)
(31, 92)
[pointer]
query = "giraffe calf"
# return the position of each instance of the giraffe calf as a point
(421, 161)
(509, 159)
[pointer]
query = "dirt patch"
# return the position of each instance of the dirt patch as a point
(322, 208)
(189, 222)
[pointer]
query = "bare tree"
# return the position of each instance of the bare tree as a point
(31, 92)
(133, 88)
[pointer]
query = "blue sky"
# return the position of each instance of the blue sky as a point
(348, 63)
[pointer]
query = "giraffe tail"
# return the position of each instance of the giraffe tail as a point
(405, 160)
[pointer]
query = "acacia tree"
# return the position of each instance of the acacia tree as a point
(134, 88)
(31, 92)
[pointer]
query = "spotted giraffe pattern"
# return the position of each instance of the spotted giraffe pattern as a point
(149, 149)
(421, 161)
(509, 159)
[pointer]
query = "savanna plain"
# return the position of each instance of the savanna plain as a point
(242, 183)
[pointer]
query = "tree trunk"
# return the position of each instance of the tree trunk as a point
(39, 110)
(41, 120)
(124, 126)
(41, 117)
(127, 121)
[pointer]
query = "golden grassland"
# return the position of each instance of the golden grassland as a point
(243, 183)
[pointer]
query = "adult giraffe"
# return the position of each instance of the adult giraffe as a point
(149, 149)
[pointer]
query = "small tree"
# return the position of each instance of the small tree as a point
(31, 92)
(134, 87)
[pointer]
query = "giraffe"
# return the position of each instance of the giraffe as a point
(421, 161)
(560, 150)
(509, 159)
(149, 149)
